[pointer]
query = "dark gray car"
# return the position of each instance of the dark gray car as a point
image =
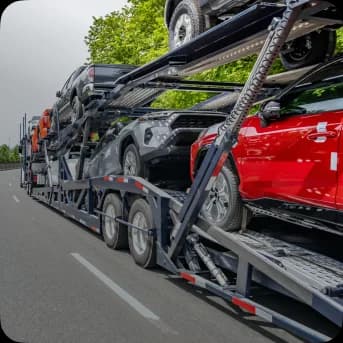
(155, 146)
(186, 19)
(86, 83)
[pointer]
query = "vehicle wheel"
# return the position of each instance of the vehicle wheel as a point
(77, 111)
(313, 48)
(114, 234)
(224, 207)
(131, 161)
(186, 23)
(142, 246)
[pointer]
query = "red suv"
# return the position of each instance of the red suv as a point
(288, 160)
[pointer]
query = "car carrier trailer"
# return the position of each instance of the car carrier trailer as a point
(163, 227)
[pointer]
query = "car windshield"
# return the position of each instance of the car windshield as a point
(321, 92)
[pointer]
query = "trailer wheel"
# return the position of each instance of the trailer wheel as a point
(131, 161)
(186, 23)
(313, 48)
(142, 246)
(114, 233)
(224, 206)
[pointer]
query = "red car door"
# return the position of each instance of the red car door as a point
(294, 158)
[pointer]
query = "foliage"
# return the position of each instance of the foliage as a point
(8, 155)
(134, 35)
(137, 34)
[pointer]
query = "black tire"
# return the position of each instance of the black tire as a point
(131, 152)
(115, 237)
(197, 23)
(313, 48)
(145, 257)
(233, 214)
(77, 109)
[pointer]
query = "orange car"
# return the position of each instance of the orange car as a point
(44, 123)
(34, 140)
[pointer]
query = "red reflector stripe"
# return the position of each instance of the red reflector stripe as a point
(188, 277)
(106, 178)
(244, 305)
(220, 164)
(120, 179)
(138, 185)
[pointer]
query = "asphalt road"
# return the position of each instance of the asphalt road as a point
(60, 283)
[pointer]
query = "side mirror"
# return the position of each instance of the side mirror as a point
(58, 94)
(271, 110)
(118, 127)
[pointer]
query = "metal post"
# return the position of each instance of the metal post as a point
(218, 152)
(243, 282)
(47, 164)
(21, 156)
(83, 149)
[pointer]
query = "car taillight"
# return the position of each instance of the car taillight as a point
(35, 178)
(91, 73)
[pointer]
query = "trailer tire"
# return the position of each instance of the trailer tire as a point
(313, 48)
(186, 23)
(225, 195)
(142, 246)
(114, 233)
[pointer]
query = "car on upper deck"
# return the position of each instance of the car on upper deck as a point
(85, 84)
(187, 19)
(288, 160)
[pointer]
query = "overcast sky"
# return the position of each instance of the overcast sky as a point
(41, 43)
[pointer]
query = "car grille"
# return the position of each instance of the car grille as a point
(196, 121)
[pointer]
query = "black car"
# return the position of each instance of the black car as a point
(86, 83)
(155, 146)
(187, 19)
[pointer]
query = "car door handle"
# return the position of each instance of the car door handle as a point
(328, 134)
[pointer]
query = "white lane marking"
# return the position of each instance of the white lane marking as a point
(16, 199)
(133, 302)
(333, 161)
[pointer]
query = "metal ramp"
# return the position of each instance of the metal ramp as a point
(319, 271)
(313, 278)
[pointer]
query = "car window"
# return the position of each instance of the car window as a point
(65, 86)
(321, 97)
(76, 74)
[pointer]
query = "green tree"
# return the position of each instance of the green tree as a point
(14, 155)
(8, 155)
(134, 35)
(5, 153)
